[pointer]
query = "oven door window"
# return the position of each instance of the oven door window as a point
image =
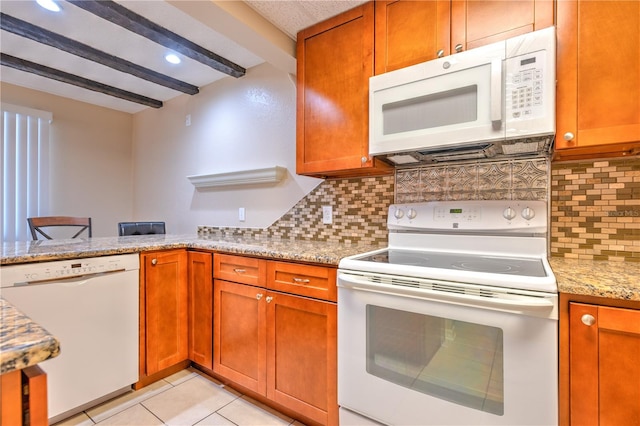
(457, 361)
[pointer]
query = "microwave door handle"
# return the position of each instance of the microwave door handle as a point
(496, 93)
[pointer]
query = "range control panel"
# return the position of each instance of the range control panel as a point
(483, 215)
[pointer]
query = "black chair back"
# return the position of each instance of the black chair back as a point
(140, 228)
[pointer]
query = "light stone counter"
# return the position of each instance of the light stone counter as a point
(614, 280)
(328, 253)
(23, 343)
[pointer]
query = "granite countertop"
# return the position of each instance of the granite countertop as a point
(617, 280)
(328, 253)
(23, 343)
(614, 280)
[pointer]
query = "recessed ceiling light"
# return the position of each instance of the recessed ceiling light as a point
(49, 5)
(172, 58)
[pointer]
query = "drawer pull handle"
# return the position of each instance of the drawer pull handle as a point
(259, 296)
(239, 271)
(269, 299)
(301, 280)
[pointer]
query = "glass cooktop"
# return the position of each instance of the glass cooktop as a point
(529, 267)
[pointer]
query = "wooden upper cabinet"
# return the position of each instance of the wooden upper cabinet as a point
(477, 23)
(335, 61)
(410, 32)
(604, 345)
(598, 101)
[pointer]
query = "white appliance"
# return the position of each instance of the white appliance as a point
(455, 322)
(91, 306)
(494, 100)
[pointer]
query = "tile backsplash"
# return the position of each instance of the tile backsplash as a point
(595, 209)
(360, 205)
(595, 205)
(359, 214)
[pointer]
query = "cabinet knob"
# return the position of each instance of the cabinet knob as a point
(364, 159)
(458, 48)
(440, 53)
(269, 299)
(588, 319)
(154, 261)
(568, 136)
(259, 296)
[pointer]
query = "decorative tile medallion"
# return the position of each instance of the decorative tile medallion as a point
(500, 180)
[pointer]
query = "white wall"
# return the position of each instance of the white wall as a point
(236, 124)
(91, 166)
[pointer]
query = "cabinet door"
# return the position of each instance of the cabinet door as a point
(604, 365)
(476, 23)
(335, 61)
(598, 101)
(409, 32)
(201, 308)
(166, 309)
(302, 356)
(239, 334)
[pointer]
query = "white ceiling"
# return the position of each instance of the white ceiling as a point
(227, 28)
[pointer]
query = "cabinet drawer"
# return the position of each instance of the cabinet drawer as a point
(312, 281)
(239, 269)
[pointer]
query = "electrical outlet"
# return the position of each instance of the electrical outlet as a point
(327, 215)
(187, 120)
(241, 216)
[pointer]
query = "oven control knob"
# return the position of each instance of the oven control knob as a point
(528, 213)
(509, 213)
(411, 214)
(398, 213)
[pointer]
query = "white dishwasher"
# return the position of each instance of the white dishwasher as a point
(91, 306)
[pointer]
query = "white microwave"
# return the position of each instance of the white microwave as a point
(490, 101)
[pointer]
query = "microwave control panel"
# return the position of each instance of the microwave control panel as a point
(525, 86)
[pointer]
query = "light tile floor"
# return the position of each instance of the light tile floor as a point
(186, 398)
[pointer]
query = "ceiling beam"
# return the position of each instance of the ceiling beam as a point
(44, 36)
(120, 15)
(65, 77)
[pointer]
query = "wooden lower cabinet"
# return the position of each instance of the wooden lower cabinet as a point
(281, 346)
(163, 318)
(603, 369)
(23, 397)
(200, 284)
(239, 343)
(301, 355)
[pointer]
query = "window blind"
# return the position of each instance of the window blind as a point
(25, 169)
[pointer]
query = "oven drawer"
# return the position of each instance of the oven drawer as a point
(305, 280)
(239, 269)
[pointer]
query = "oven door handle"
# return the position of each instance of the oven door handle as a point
(514, 302)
